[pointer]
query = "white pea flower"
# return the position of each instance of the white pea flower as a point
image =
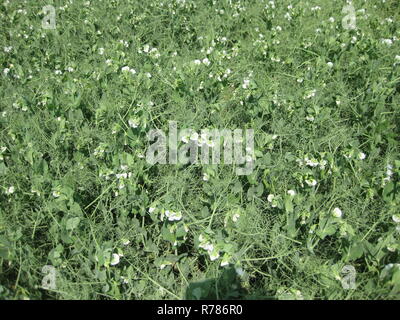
(214, 255)
(206, 61)
(197, 62)
(389, 171)
(133, 123)
(311, 182)
(312, 162)
(121, 175)
(206, 246)
(151, 209)
(271, 199)
(239, 271)
(205, 177)
(173, 216)
(310, 118)
(127, 69)
(115, 259)
(388, 42)
(185, 139)
(330, 64)
(310, 94)
(224, 263)
(194, 136)
(391, 249)
(10, 190)
(291, 192)
(337, 213)
(146, 48)
(361, 156)
(124, 280)
(396, 218)
(235, 217)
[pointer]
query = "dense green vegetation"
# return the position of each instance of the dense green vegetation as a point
(76, 191)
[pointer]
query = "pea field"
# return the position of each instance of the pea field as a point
(111, 186)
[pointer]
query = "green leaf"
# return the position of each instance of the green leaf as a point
(288, 204)
(72, 223)
(356, 251)
(167, 235)
(388, 192)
